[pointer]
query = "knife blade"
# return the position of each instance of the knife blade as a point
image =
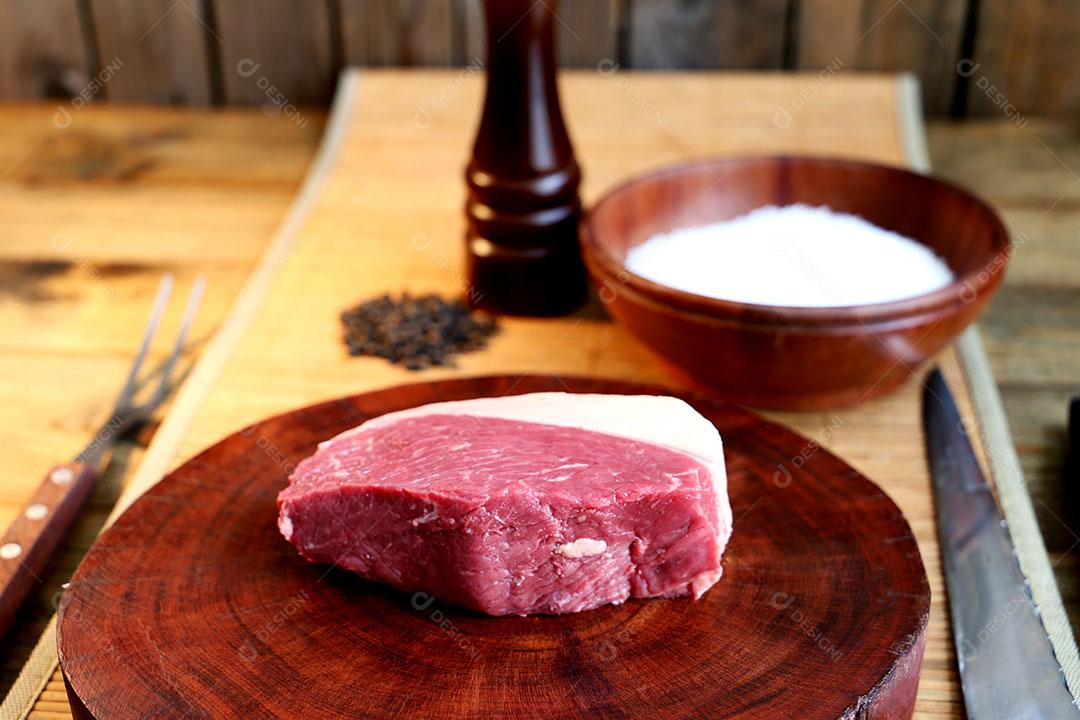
(1008, 669)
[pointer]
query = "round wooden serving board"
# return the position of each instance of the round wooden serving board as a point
(192, 605)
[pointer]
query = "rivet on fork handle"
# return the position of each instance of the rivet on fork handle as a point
(32, 539)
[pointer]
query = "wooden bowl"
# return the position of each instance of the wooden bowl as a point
(787, 357)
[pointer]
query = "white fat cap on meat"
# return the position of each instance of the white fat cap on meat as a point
(656, 419)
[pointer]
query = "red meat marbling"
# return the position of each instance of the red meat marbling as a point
(481, 506)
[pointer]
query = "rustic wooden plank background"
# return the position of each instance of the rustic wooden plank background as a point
(391, 32)
(275, 52)
(160, 51)
(984, 58)
(920, 36)
(706, 34)
(43, 52)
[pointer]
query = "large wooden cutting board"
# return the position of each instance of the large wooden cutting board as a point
(193, 605)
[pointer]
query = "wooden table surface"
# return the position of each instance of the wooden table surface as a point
(95, 213)
(98, 210)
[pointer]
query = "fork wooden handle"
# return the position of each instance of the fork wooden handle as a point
(31, 541)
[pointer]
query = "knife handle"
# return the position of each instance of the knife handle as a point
(32, 540)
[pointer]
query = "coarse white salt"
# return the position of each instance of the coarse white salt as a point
(791, 256)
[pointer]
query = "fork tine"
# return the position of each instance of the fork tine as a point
(162, 299)
(194, 299)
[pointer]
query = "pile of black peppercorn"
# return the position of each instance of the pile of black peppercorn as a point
(417, 332)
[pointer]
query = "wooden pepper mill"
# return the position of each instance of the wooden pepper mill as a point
(523, 207)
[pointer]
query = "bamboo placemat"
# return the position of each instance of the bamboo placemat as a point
(381, 211)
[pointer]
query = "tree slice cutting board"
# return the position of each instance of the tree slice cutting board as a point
(192, 605)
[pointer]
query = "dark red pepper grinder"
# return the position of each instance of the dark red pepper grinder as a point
(523, 207)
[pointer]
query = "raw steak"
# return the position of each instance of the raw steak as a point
(542, 503)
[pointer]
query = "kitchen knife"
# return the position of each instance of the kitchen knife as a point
(1008, 669)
